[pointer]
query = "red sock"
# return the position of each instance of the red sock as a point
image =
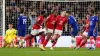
(45, 43)
(42, 39)
(79, 42)
(83, 43)
(53, 44)
(27, 37)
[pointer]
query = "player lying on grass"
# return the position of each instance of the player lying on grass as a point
(50, 26)
(72, 22)
(37, 28)
(61, 21)
(93, 30)
(10, 36)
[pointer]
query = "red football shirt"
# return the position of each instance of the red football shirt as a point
(39, 22)
(86, 27)
(51, 20)
(60, 22)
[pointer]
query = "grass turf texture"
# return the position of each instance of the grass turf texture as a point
(48, 52)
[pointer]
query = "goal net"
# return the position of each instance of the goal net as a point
(1, 17)
(79, 9)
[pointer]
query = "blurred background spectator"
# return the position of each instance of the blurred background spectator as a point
(33, 8)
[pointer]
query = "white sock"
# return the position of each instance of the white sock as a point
(88, 43)
(73, 42)
(23, 42)
(94, 45)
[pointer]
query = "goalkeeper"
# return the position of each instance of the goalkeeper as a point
(10, 36)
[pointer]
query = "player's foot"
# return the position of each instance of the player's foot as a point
(42, 48)
(51, 48)
(92, 48)
(89, 48)
(77, 48)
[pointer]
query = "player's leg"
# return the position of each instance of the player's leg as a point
(73, 40)
(84, 35)
(21, 37)
(90, 33)
(55, 37)
(33, 34)
(42, 37)
(79, 42)
(48, 36)
(5, 44)
(54, 40)
(95, 34)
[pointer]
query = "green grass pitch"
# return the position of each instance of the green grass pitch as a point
(48, 52)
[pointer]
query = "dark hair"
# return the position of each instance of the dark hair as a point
(68, 12)
(42, 12)
(92, 11)
(53, 11)
(10, 24)
(22, 10)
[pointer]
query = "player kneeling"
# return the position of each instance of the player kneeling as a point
(61, 21)
(10, 36)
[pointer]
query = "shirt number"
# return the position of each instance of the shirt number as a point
(24, 21)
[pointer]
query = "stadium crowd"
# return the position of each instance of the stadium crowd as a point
(33, 9)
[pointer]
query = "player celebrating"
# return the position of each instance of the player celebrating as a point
(72, 22)
(50, 24)
(10, 36)
(93, 29)
(61, 20)
(37, 27)
(21, 28)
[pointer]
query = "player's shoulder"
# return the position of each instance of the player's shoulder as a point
(14, 29)
(59, 16)
(7, 30)
(51, 15)
(96, 17)
(23, 16)
(70, 17)
(41, 16)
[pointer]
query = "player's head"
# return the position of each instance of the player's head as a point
(55, 12)
(42, 13)
(63, 12)
(10, 25)
(22, 11)
(92, 12)
(68, 13)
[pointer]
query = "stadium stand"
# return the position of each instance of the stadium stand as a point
(32, 8)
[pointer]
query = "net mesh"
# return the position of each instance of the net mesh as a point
(1, 17)
(32, 9)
